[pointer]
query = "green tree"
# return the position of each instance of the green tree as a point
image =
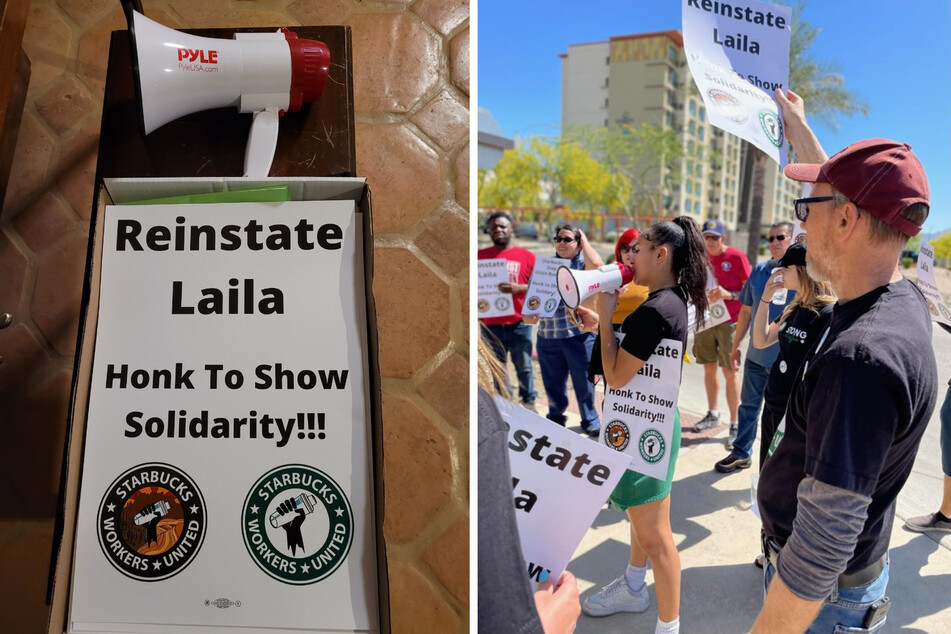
(514, 182)
(942, 247)
(570, 174)
(642, 160)
(822, 87)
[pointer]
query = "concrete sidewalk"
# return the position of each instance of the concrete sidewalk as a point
(718, 538)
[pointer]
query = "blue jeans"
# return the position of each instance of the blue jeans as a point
(751, 401)
(559, 358)
(844, 611)
(515, 339)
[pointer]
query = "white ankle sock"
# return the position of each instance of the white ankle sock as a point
(714, 412)
(734, 423)
(664, 627)
(635, 577)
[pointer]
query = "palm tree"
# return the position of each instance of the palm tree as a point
(822, 87)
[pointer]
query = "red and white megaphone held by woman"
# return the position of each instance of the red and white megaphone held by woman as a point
(575, 286)
(267, 74)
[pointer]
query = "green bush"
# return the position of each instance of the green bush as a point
(762, 249)
(907, 263)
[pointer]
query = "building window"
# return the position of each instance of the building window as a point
(672, 77)
(688, 187)
(692, 127)
(605, 102)
(700, 133)
(607, 60)
(693, 107)
(703, 113)
(671, 54)
(670, 119)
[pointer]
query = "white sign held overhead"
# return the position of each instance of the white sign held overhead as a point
(738, 54)
(542, 298)
(560, 481)
(492, 301)
(638, 418)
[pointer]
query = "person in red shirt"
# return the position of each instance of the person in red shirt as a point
(712, 347)
(510, 335)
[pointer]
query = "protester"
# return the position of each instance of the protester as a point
(511, 335)
(758, 361)
(563, 349)
(796, 330)
(506, 601)
(714, 346)
(669, 259)
(800, 325)
(858, 410)
(941, 519)
(630, 297)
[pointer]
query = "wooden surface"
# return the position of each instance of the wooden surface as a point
(14, 80)
(316, 141)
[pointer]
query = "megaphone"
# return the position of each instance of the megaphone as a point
(267, 74)
(575, 286)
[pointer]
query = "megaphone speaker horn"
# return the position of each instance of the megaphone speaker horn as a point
(267, 74)
(576, 286)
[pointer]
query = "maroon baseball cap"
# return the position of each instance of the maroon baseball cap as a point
(880, 176)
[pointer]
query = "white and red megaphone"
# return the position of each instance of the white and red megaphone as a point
(264, 73)
(575, 286)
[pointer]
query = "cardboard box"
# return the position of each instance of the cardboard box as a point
(127, 189)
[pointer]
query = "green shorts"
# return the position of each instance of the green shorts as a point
(635, 489)
(714, 345)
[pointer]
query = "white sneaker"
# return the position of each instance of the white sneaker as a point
(616, 597)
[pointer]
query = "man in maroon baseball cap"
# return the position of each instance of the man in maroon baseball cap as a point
(861, 403)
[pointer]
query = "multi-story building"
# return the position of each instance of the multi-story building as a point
(644, 78)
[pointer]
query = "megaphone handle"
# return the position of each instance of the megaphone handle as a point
(262, 141)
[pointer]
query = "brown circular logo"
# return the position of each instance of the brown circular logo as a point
(932, 307)
(483, 305)
(534, 302)
(617, 435)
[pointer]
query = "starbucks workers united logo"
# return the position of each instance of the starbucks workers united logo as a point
(297, 524)
(151, 522)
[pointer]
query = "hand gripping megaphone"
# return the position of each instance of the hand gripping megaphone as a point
(267, 74)
(575, 286)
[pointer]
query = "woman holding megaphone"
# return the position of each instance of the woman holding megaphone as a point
(670, 260)
(563, 349)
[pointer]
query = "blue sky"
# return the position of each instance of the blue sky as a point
(896, 56)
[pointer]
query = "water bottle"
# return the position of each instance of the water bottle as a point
(779, 297)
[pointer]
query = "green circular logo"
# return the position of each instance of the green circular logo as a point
(652, 446)
(772, 126)
(297, 524)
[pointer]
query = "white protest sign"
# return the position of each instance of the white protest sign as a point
(738, 54)
(227, 459)
(716, 313)
(560, 481)
(926, 284)
(638, 418)
(542, 297)
(492, 301)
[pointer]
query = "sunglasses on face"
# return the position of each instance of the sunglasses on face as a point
(564, 240)
(710, 238)
(625, 248)
(801, 205)
(774, 238)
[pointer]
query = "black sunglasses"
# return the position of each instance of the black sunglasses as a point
(774, 238)
(564, 240)
(624, 248)
(801, 205)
